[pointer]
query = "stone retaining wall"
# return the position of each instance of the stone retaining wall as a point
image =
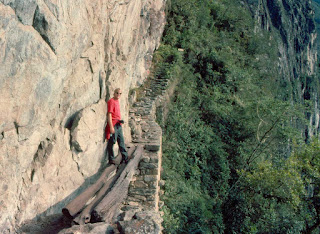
(143, 196)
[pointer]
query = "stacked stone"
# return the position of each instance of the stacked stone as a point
(143, 195)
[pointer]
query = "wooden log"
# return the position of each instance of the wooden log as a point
(79, 202)
(104, 211)
(85, 215)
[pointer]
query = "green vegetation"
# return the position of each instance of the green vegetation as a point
(225, 146)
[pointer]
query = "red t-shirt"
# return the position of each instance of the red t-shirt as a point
(114, 109)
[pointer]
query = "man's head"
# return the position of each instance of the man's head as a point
(117, 93)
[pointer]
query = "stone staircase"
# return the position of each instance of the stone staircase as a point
(141, 208)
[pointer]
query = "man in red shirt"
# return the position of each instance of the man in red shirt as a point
(114, 130)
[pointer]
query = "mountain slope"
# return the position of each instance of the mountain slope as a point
(228, 133)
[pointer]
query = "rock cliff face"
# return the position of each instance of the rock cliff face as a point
(59, 62)
(292, 26)
(316, 6)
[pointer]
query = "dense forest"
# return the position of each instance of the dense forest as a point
(232, 160)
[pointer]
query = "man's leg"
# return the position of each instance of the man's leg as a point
(111, 142)
(121, 144)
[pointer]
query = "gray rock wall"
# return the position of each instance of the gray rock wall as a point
(292, 26)
(59, 62)
(292, 22)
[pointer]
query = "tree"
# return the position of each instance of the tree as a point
(284, 196)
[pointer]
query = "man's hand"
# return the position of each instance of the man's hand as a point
(111, 129)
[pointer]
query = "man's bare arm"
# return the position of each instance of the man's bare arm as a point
(110, 122)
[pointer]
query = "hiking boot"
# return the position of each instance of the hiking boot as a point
(126, 160)
(112, 162)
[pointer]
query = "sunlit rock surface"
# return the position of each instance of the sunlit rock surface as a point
(59, 62)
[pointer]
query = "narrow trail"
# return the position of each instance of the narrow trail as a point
(142, 199)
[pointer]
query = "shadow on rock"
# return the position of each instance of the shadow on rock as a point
(52, 220)
(48, 224)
